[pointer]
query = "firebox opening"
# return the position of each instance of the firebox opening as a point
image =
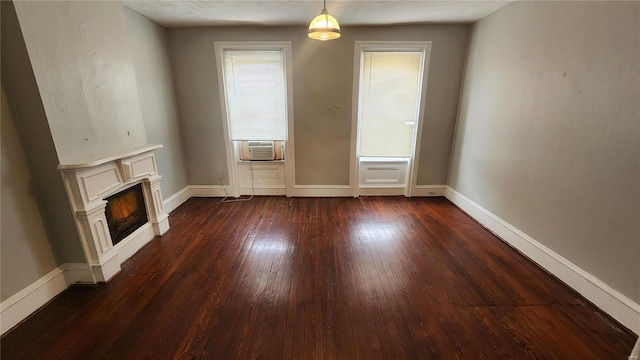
(126, 212)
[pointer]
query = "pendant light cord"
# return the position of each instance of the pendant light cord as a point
(326, 13)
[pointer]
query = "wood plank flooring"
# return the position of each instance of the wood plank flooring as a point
(322, 278)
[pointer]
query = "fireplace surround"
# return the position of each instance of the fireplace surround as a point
(91, 182)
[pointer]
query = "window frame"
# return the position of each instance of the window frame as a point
(286, 47)
(390, 46)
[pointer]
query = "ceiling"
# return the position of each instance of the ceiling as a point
(300, 12)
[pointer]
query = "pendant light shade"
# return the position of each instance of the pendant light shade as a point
(324, 26)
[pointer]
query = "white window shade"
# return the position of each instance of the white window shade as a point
(389, 102)
(256, 94)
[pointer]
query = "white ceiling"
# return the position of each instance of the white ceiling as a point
(300, 12)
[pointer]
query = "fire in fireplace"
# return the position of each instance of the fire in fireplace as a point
(125, 212)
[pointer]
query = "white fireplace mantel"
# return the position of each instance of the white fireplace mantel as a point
(90, 182)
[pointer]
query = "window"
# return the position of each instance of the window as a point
(389, 102)
(255, 82)
(256, 95)
(390, 88)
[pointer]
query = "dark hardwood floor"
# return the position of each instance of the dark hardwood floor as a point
(322, 278)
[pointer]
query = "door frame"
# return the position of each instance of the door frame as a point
(359, 48)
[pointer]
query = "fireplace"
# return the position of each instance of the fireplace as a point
(117, 205)
(125, 213)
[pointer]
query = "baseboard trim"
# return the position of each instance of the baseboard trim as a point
(609, 300)
(78, 273)
(22, 304)
(428, 190)
(209, 190)
(297, 191)
(264, 191)
(381, 191)
(635, 353)
(28, 300)
(177, 199)
(219, 191)
(322, 191)
(190, 191)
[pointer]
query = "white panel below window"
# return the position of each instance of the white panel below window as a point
(383, 172)
(261, 174)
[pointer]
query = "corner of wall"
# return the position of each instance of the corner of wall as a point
(617, 305)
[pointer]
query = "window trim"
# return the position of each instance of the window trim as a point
(393, 46)
(286, 48)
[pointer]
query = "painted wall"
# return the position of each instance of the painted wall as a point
(25, 254)
(31, 122)
(154, 77)
(81, 58)
(549, 130)
(323, 87)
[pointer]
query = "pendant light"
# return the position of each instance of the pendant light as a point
(324, 26)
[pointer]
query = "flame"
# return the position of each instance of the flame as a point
(123, 206)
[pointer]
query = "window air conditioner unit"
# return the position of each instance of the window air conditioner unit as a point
(261, 150)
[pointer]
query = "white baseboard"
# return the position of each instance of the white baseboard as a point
(381, 191)
(618, 306)
(264, 191)
(219, 191)
(417, 191)
(77, 273)
(208, 190)
(635, 353)
(25, 302)
(175, 200)
(298, 190)
(183, 195)
(322, 190)
(428, 190)
(22, 304)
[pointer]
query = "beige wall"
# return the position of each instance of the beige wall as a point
(549, 130)
(150, 51)
(26, 253)
(323, 88)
